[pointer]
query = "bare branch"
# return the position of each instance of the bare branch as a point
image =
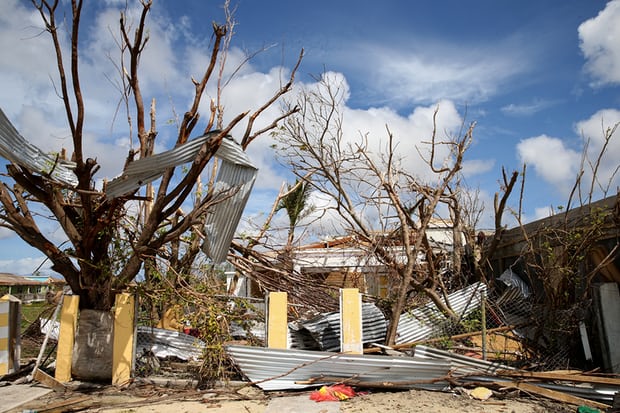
(247, 138)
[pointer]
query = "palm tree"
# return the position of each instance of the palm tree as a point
(295, 202)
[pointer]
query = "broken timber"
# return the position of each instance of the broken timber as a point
(48, 381)
(551, 394)
(570, 377)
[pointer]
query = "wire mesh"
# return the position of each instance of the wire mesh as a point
(510, 329)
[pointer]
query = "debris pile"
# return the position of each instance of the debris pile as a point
(314, 360)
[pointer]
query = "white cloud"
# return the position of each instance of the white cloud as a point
(544, 212)
(600, 44)
(559, 165)
(593, 130)
(411, 133)
(426, 72)
(411, 136)
(526, 109)
(25, 266)
(474, 167)
(5, 233)
(28, 61)
(551, 159)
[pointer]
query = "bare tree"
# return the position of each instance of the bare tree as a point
(499, 205)
(105, 254)
(377, 200)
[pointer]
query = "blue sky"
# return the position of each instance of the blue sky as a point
(535, 76)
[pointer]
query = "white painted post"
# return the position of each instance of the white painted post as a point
(4, 337)
(10, 333)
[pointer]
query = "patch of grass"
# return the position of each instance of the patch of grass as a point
(32, 312)
(31, 337)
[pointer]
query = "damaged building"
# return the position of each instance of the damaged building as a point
(565, 270)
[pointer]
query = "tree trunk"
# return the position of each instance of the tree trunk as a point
(92, 354)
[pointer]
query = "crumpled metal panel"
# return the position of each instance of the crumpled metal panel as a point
(324, 330)
(162, 343)
(18, 150)
(468, 369)
(142, 171)
(234, 182)
(165, 343)
(601, 393)
(276, 369)
(461, 364)
(421, 323)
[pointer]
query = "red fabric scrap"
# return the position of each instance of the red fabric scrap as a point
(334, 393)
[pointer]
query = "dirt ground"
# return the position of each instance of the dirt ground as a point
(443, 402)
(153, 398)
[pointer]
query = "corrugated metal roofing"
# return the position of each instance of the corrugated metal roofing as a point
(421, 323)
(162, 343)
(234, 182)
(325, 329)
(165, 343)
(600, 393)
(274, 369)
(18, 150)
(142, 171)
(461, 364)
(223, 218)
(12, 279)
(50, 328)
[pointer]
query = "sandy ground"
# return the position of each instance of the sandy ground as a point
(443, 402)
(253, 400)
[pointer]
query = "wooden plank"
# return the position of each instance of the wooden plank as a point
(552, 394)
(572, 377)
(61, 406)
(386, 384)
(48, 381)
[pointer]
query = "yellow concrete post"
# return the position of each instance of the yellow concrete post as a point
(124, 337)
(4, 337)
(351, 321)
(66, 337)
(277, 325)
